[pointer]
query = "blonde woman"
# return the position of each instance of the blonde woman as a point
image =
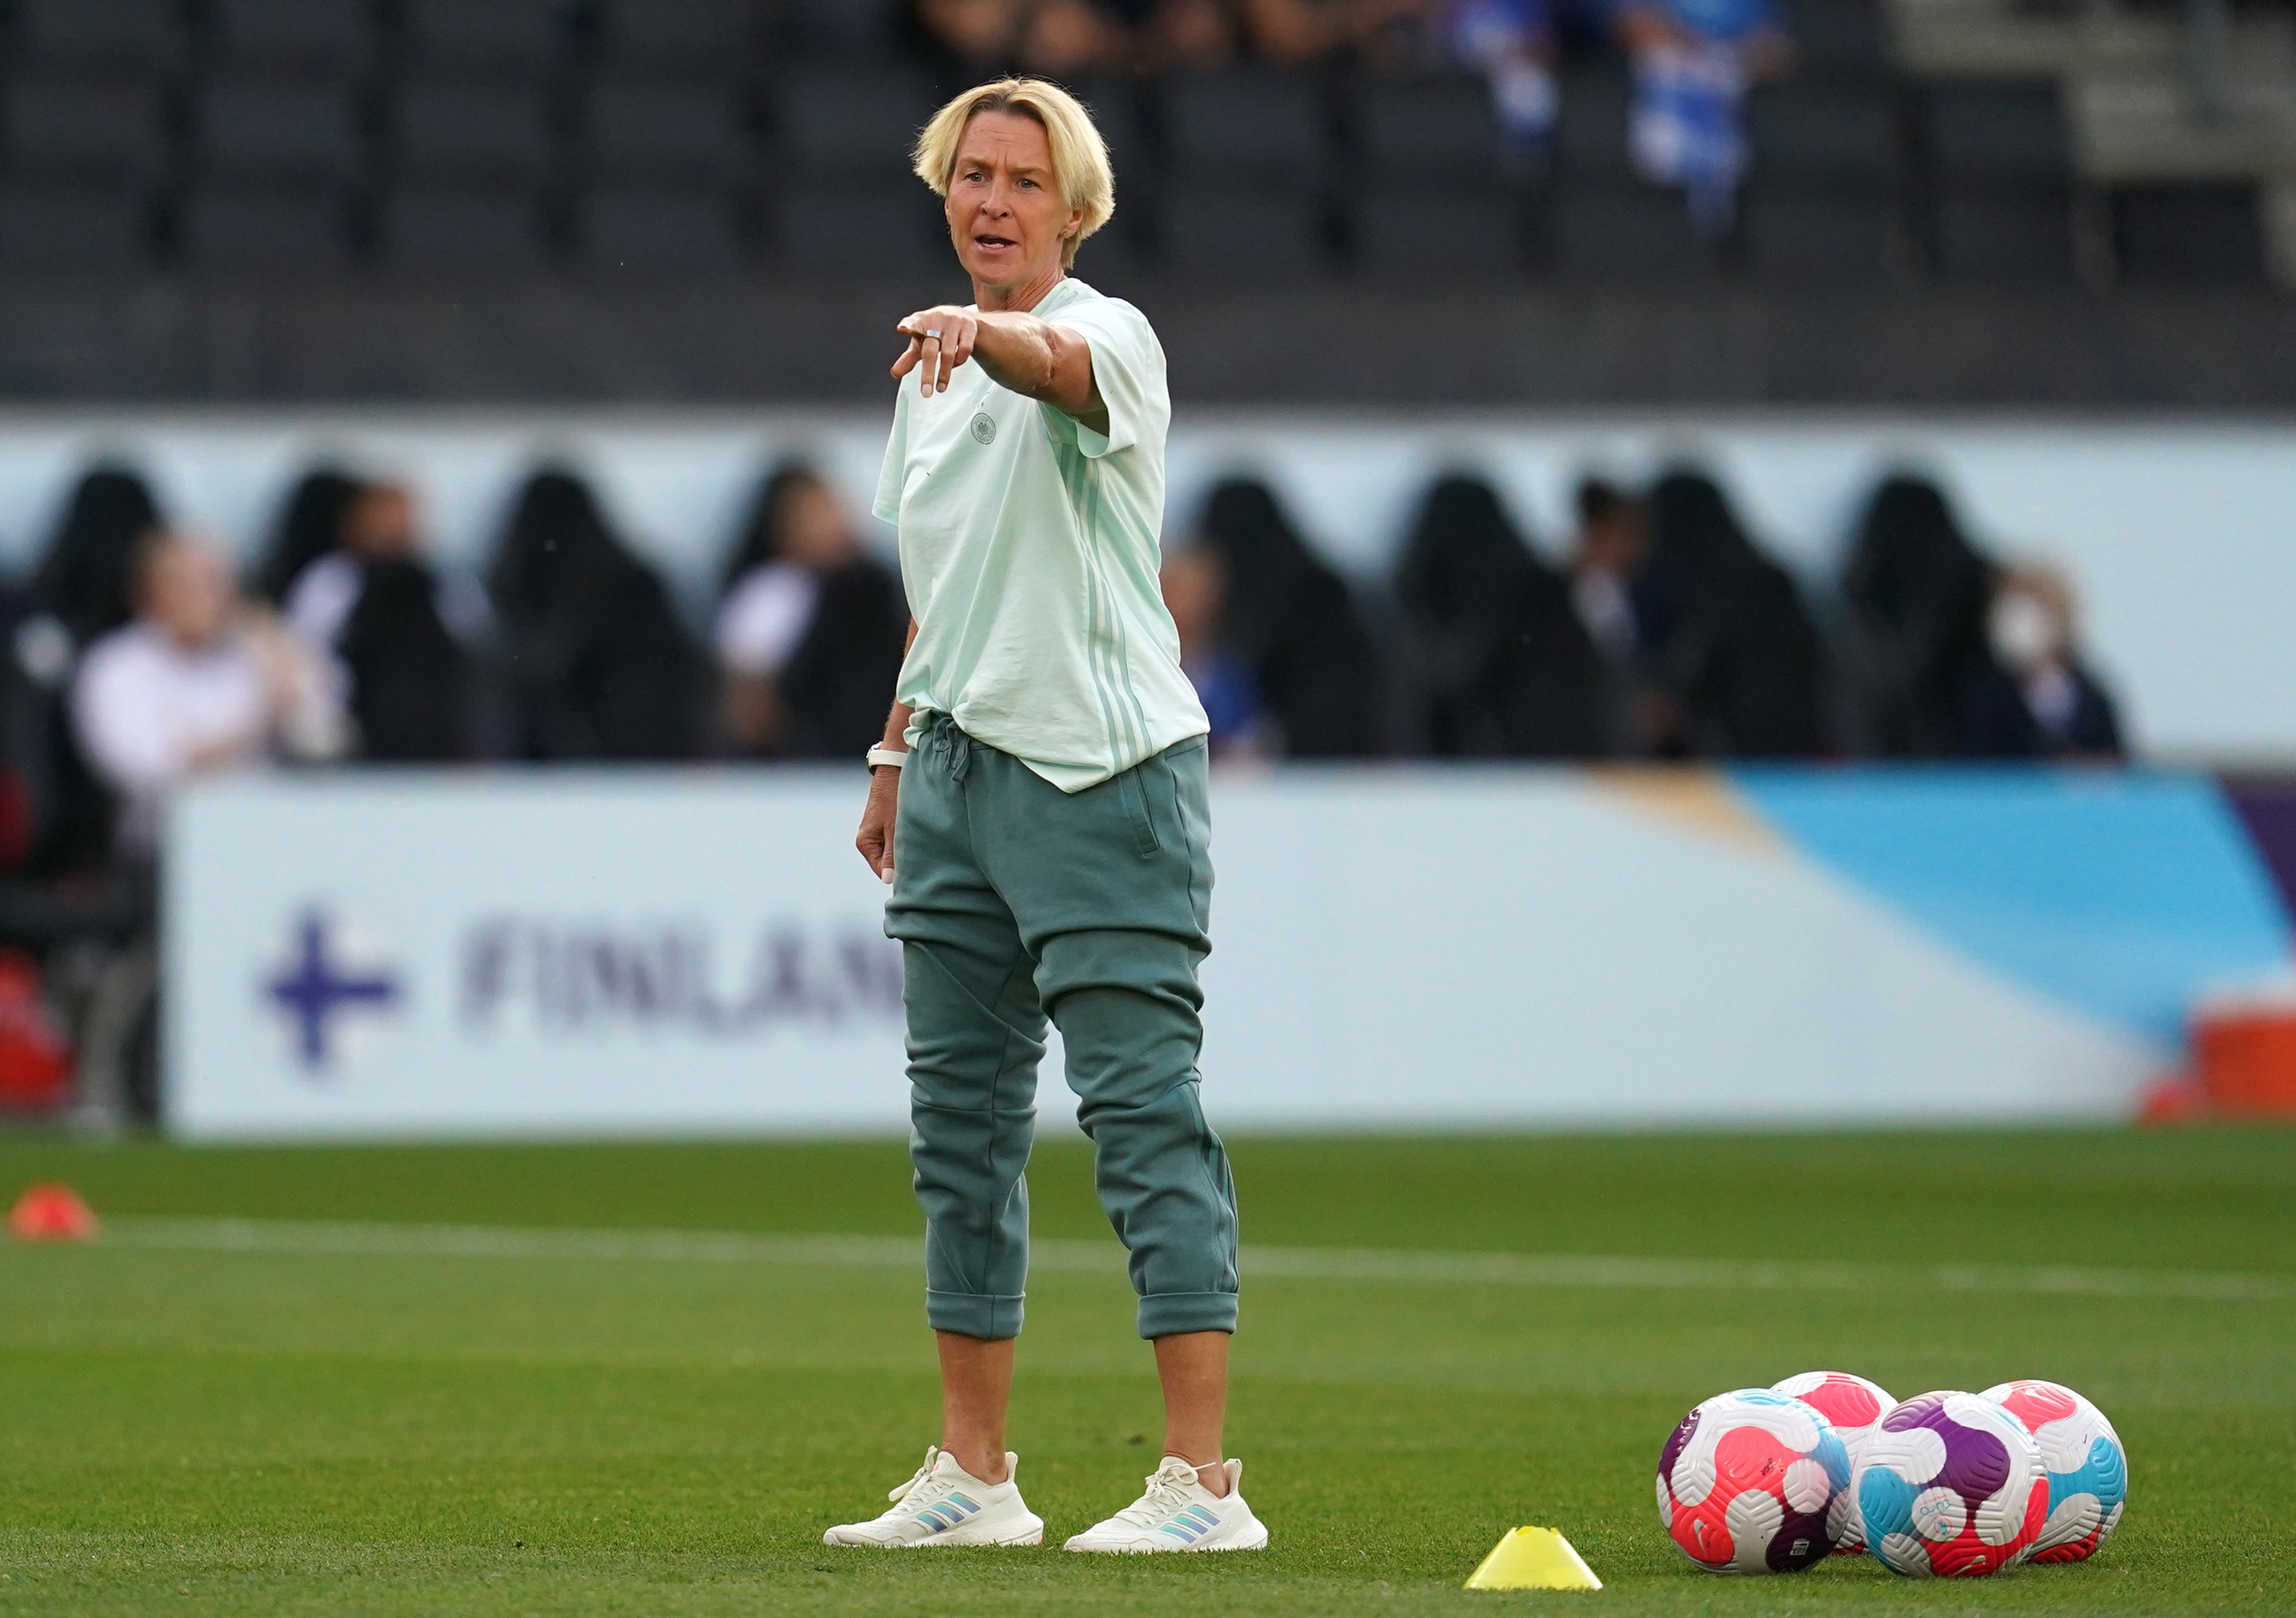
(1038, 805)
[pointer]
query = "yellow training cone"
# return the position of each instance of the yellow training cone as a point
(1534, 1558)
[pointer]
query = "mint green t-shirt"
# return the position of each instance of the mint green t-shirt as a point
(1029, 551)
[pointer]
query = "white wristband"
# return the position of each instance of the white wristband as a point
(891, 758)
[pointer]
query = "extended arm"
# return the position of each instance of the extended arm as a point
(1033, 358)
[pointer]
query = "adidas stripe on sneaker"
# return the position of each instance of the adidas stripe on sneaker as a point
(1178, 1512)
(945, 1505)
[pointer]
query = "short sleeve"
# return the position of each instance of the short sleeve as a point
(887, 506)
(1127, 367)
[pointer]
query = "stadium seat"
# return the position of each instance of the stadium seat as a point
(1837, 133)
(75, 229)
(1819, 236)
(2022, 234)
(832, 30)
(1230, 124)
(92, 128)
(1215, 229)
(524, 37)
(1442, 129)
(657, 229)
(264, 127)
(307, 36)
(851, 120)
(1839, 37)
(1114, 258)
(1590, 133)
(1453, 234)
(2001, 171)
(887, 232)
(2188, 235)
(2010, 133)
(678, 128)
(1627, 231)
(457, 229)
(468, 129)
(695, 36)
(118, 35)
(296, 230)
(1115, 106)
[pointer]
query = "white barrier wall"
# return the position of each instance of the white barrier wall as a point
(666, 953)
(2178, 530)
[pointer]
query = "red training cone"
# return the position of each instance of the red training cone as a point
(51, 1213)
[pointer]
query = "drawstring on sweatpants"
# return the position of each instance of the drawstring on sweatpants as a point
(942, 736)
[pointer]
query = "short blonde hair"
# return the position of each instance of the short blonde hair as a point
(1080, 162)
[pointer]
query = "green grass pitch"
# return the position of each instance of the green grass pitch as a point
(535, 1431)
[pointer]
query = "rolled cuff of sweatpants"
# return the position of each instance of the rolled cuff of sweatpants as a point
(974, 1314)
(1167, 1314)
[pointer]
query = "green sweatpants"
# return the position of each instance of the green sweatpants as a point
(1013, 900)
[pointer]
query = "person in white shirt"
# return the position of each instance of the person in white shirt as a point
(1040, 805)
(195, 683)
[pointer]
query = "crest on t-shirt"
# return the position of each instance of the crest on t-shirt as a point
(984, 428)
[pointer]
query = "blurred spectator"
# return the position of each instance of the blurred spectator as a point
(1195, 593)
(1607, 586)
(1293, 31)
(1293, 621)
(809, 628)
(39, 656)
(372, 606)
(1063, 38)
(80, 591)
(1186, 33)
(1209, 33)
(1506, 669)
(310, 526)
(1741, 657)
(1618, 602)
(196, 683)
(2034, 698)
(1511, 43)
(967, 40)
(1693, 61)
(83, 581)
(1916, 591)
(596, 664)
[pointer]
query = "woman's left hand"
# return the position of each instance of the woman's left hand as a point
(940, 339)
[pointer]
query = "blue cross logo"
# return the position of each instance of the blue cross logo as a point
(313, 990)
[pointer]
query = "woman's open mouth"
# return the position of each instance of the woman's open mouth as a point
(994, 244)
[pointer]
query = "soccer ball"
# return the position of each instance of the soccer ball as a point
(1855, 1407)
(1951, 1485)
(1747, 1483)
(2087, 1469)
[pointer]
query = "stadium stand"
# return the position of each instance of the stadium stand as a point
(324, 39)
(2001, 178)
(1436, 185)
(1246, 172)
(1927, 164)
(2188, 235)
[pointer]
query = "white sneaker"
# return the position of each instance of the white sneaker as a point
(1178, 1512)
(945, 1505)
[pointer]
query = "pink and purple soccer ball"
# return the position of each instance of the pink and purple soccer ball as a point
(2087, 1469)
(1951, 1486)
(1855, 1407)
(1748, 1482)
